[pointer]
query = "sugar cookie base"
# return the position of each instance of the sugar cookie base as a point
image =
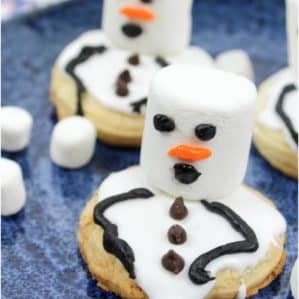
(112, 276)
(113, 127)
(271, 143)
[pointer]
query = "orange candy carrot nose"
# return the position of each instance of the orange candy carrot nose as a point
(138, 13)
(189, 152)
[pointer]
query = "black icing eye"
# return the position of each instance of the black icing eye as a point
(163, 123)
(205, 132)
(147, 1)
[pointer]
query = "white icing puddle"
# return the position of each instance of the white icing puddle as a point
(100, 72)
(144, 224)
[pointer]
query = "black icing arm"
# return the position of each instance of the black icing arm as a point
(137, 105)
(197, 272)
(112, 244)
(162, 62)
(83, 56)
(282, 114)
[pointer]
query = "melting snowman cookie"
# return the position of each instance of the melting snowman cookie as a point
(138, 38)
(276, 133)
(156, 232)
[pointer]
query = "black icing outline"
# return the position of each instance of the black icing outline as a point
(197, 272)
(111, 242)
(85, 53)
(280, 111)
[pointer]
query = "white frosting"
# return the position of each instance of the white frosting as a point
(99, 73)
(200, 96)
(269, 117)
(294, 280)
(73, 142)
(242, 292)
(169, 31)
(16, 125)
(237, 62)
(292, 30)
(144, 224)
(13, 193)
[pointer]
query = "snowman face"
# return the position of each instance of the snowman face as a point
(148, 26)
(194, 145)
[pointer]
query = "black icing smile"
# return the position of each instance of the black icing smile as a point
(185, 173)
(132, 30)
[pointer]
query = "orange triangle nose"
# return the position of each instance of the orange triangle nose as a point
(188, 152)
(138, 13)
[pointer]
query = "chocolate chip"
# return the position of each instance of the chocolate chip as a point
(125, 76)
(134, 59)
(177, 235)
(122, 88)
(173, 262)
(178, 210)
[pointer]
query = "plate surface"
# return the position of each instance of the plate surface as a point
(40, 258)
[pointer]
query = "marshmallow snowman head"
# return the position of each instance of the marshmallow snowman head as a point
(197, 131)
(148, 26)
(292, 30)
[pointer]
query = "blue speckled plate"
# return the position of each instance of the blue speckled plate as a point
(40, 257)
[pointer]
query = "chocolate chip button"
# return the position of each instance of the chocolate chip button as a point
(122, 88)
(134, 59)
(177, 235)
(178, 210)
(125, 76)
(173, 262)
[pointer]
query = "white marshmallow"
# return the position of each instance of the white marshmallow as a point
(292, 30)
(192, 96)
(16, 125)
(73, 142)
(168, 33)
(294, 280)
(13, 193)
(237, 62)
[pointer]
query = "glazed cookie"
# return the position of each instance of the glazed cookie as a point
(276, 130)
(152, 280)
(105, 74)
(173, 227)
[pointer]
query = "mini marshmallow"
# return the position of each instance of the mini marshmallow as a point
(198, 131)
(73, 142)
(156, 27)
(294, 280)
(292, 30)
(16, 125)
(13, 193)
(237, 62)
